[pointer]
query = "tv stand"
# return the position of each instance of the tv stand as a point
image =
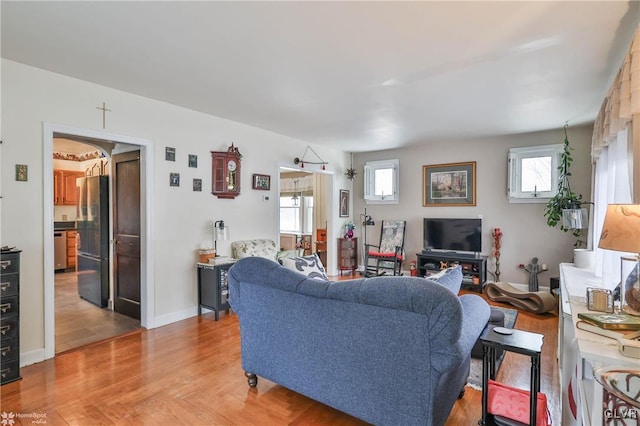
(474, 266)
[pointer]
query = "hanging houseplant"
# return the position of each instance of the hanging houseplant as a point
(564, 198)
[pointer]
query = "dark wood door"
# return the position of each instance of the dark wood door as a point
(126, 230)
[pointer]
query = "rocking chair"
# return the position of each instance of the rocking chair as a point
(390, 253)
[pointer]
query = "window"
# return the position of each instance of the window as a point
(296, 219)
(381, 181)
(533, 173)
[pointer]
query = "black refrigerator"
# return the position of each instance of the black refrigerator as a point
(93, 235)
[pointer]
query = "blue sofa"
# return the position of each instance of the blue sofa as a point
(388, 350)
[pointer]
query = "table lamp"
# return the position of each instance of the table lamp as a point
(220, 233)
(621, 232)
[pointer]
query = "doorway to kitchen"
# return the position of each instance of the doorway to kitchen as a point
(82, 252)
(68, 279)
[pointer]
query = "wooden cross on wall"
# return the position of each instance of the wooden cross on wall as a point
(104, 114)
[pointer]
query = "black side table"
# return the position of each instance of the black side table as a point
(520, 341)
(213, 289)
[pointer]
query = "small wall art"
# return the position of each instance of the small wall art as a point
(452, 184)
(174, 179)
(170, 154)
(197, 185)
(22, 172)
(344, 203)
(261, 182)
(193, 160)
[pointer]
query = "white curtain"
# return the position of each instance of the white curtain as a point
(297, 184)
(611, 186)
(611, 136)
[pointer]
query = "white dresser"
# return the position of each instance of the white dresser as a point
(579, 352)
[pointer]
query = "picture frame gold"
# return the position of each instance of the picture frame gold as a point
(451, 184)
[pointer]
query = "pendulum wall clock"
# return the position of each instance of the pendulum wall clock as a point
(226, 172)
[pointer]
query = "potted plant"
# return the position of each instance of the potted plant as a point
(565, 198)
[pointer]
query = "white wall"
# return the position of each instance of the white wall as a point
(31, 96)
(525, 232)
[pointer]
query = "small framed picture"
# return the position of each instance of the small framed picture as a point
(261, 182)
(22, 172)
(197, 185)
(344, 203)
(170, 154)
(174, 179)
(193, 160)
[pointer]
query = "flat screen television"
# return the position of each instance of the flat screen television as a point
(459, 235)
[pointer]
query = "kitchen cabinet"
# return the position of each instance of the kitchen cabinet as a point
(72, 248)
(64, 187)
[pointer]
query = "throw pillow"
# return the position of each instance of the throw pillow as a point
(311, 266)
(448, 278)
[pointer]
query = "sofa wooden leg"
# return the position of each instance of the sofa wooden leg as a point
(461, 394)
(252, 379)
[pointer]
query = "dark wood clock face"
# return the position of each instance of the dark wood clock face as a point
(226, 173)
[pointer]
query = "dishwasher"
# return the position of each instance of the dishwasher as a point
(59, 250)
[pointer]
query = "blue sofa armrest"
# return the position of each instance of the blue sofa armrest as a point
(475, 314)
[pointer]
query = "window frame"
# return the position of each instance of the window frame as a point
(514, 159)
(370, 169)
(304, 212)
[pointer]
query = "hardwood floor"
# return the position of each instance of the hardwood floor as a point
(79, 322)
(189, 373)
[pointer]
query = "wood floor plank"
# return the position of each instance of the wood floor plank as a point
(190, 373)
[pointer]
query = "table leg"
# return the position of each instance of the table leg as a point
(492, 363)
(485, 383)
(535, 388)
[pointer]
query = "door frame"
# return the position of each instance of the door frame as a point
(330, 209)
(147, 289)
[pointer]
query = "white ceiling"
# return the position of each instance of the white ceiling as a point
(358, 76)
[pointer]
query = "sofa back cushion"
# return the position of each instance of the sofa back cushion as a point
(411, 294)
(254, 248)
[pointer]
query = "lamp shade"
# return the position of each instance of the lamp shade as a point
(621, 229)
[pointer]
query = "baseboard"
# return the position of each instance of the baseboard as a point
(175, 316)
(31, 357)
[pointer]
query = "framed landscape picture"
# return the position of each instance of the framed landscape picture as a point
(452, 184)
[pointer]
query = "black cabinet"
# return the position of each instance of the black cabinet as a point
(474, 268)
(213, 287)
(9, 316)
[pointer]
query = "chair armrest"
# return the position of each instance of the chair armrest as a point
(475, 314)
